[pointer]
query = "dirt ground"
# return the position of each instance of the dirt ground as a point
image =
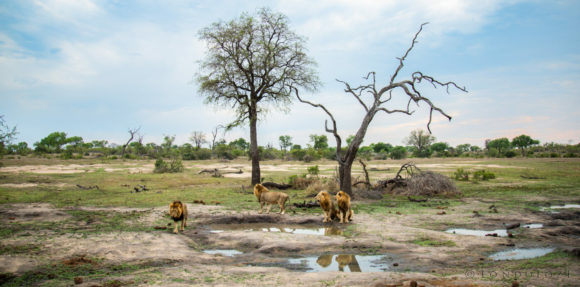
(268, 244)
(220, 247)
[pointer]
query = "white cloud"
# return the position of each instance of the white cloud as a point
(350, 25)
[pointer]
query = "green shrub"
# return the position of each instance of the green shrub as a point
(483, 175)
(300, 181)
(461, 175)
(398, 152)
(313, 170)
(174, 166)
(510, 154)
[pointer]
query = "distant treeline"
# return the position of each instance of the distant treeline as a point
(59, 144)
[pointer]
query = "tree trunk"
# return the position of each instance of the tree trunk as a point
(344, 175)
(254, 152)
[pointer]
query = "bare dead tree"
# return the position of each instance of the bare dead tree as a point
(380, 96)
(198, 138)
(132, 133)
(214, 134)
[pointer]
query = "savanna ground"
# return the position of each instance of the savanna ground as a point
(57, 229)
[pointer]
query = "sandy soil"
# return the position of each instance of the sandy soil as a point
(267, 241)
(75, 168)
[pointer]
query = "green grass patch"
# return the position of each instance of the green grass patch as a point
(429, 242)
(557, 259)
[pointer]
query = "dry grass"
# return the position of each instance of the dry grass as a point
(329, 185)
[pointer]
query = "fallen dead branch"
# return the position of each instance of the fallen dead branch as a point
(219, 173)
(139, 188)
(304, 204)
(410, 180)
(416, 200)
(87, 187)
(282, 186)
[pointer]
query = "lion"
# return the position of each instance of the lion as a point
(324, 260)
(265, 196)
(178, 212)
(347, 260)
(327, 206)
(343, 202)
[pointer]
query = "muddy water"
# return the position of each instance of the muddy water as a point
(335, 262)
(475, 232)
(343, 263)
(224, 252)
(520, 253)
(565, 206)
(533, 225)
(499, 232)
(262, 227)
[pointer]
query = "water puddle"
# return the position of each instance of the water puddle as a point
(324, 231)
(223, 252)
(533, 225)
(475, 232)
(565, 206)
(498, 232)
(337, 262)
(519, 253)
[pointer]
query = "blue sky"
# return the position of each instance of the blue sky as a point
(95, 69)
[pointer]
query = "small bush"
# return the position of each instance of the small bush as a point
(461, 175)
(510, 154)
(483, 175)
(162, 167)
(317, 185)
(313, 170)
(300, 181)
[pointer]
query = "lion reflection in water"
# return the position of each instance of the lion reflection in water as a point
(342, 260)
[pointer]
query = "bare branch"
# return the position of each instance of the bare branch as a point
(402, 59)
(418, 76)
(333, 130)
(356, 92)
(395, 111)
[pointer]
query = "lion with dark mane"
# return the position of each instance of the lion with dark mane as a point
(178, 212)
(265, 196)
(345, 213)
(327, 205)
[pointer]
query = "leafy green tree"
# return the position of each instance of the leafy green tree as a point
(502, 145)
(297, 152)
(421, 140)
(381, 147)
(463, 148)
(52, 143)
(441, 148)
(522, 142)
(240, 144)
(285, 142)
(253, 62)
(319, 142)
(398, 152)
(20, 149)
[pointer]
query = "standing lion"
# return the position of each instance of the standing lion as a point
(265, 196)
(343, 201)
(327, 206)
(178, 212)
